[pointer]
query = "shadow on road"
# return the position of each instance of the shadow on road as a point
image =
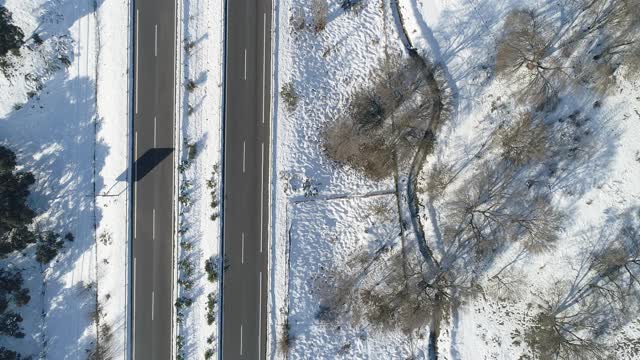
(145, 163)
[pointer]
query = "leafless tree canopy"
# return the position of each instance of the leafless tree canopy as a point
(493, 210)
(523, 43)
(385, 121)
(543, 54)
(524, 141)
(439, 177)
(495, 206)
(320, 14)
(601, 298)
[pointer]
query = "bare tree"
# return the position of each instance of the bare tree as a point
(632, 61)
(385, 120)
(440, 176)
(320, 14)
(522, 44)
(595, 39)
(491, 211)
(524, 141)
(371, 153)
(599, 300)
(566, 335)
(525, 50)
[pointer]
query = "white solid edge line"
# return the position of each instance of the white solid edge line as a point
(153, 301)
(260, 318)
(242, 255)
(245, 64)
(244, 155)
(154, 132)
(155, 44)
(137, 37)
(240, 339)
(135, 188)
(153, 231)
(264, 60)
(134, 310)
(261, 195)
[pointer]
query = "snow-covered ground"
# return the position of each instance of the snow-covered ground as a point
(324, 70)
(199, 232)
(323, 213)
(594, 191)
(64, 110)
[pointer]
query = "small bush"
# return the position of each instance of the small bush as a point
(188, 46)
(47, 247)
(186, 245)
(22, 297)
(288, 94)
(186, 267)
(210, 266)
(187, 284)
(208, 354)
(183, 302)
(11, 36)
(191, 85)
(37, 39)
(211, 307)
(286, 339)
(105, 238)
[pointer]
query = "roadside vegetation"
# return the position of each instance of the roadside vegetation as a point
(189, 272)
(499, 198)
(19, 237)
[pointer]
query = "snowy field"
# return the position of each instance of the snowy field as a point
(321, 211)
(326, 215)
(199, 177)
(64, 110)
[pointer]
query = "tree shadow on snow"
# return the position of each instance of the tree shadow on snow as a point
(54, 136)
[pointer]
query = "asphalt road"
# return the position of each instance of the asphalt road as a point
(246, 179)
(153, 182)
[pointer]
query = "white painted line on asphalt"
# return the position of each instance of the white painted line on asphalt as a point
(155, 45)
(135, 188)
(240, 339)
(261, 194)
(260, 318)
(245, 64)
(244, 156)
(242, 257)
(136, 70)
(264, 53)
(154, 225)
(134, 309)
(153, 303)
(155, 132)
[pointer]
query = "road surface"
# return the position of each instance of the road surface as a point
(246, 179)
(153, 181)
